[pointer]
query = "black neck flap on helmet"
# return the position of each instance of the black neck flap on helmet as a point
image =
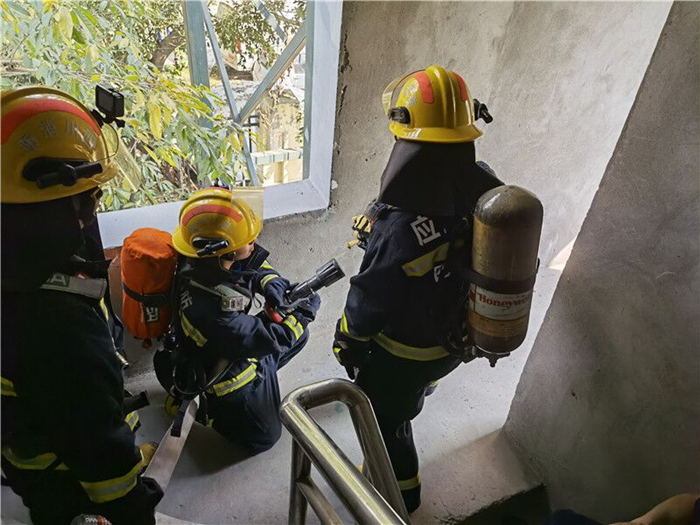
(434, 179)
(37, 239)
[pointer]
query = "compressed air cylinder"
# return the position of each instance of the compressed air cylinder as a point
(507, 227)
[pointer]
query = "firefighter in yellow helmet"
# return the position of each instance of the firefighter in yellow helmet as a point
(221, 348)
(393, 334)
(68, 446)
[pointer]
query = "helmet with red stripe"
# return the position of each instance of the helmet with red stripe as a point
(52, 146)
(217, 221)
(434, 105)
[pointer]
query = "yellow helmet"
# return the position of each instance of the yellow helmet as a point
(52, 146)
(217, 221)
(434, 105)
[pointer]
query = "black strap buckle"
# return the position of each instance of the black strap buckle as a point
(400, 114)
(151, 300)
(482, 112)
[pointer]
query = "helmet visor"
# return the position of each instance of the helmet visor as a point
(390, 91)
(119, 161)
(250, 199)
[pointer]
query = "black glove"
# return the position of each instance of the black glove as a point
(349, 352)
(482, 164)
(308, 307)
(274, 291)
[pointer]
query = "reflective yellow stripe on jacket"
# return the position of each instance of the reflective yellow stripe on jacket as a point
(267, 279)
(114, 488)
(425, 263)
(191, 331)
(40, 462)
(44, 461)
(8, 387)
(230, 385)
(132, 419)
(409, 352)
(293, 324)
(345, 330)
(104, 309)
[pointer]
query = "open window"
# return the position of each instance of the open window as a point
(241, 90)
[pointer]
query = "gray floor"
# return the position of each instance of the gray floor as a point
(465, 462)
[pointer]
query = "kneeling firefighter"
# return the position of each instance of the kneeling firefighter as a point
(68, 446)
(403, 326)
(219, 348)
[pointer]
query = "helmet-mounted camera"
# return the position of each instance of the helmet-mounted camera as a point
(110, 105)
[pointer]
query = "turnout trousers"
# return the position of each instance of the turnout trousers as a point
(249, 416)
(52, 497)
(397, 388)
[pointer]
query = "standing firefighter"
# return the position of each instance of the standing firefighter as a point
(223, 351)
(392, 330)
(67, 443)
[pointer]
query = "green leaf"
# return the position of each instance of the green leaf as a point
(139, 100)
(17, 8)
(77, 32)
(85, 13)
(151, 154)
(168, 158)
(154, 120)
(94, 53)
(167, 116)
(65, 23)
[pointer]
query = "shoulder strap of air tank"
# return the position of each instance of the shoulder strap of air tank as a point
(375, 210)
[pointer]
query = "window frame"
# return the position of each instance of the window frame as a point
(312, 193)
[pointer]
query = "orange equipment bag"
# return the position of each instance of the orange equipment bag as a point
(149, 262)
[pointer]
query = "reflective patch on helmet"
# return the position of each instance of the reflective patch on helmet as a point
(211, 208)
(410, 94)
(20, 114)
(426, 88)
(464, 94)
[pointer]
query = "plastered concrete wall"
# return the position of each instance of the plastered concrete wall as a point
(559, 79)
(608, 407)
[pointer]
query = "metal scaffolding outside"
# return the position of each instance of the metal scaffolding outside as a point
(197, 23)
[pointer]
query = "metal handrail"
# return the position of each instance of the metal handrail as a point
(378, 502)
